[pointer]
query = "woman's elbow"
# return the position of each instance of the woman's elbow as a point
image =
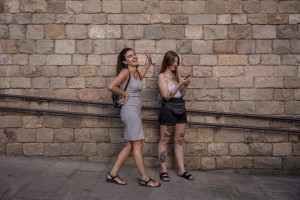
(110, 87)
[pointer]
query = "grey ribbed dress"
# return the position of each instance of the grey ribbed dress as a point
(131, 113)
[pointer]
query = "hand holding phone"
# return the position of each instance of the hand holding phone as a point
(187, 76)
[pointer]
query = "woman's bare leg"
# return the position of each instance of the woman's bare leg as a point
(178, 146)
(165, 135)
(123, 155)
(138, 159)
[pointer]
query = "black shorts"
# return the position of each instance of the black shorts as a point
(166, 117)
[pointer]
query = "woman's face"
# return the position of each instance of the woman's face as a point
(130, 58)
(174, 65)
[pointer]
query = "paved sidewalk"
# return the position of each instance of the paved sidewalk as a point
(39, 178)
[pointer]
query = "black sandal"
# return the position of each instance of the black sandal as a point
(112, 179)
(146, 183)
(164, 176)
(187, 176)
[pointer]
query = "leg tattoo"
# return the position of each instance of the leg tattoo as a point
(170, 129)
(163, 157)
(181, 134)
(167, 135)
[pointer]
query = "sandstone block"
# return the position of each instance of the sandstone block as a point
(264, 32)
(79, 59)
(270, 108)
(76, 31)
(224, 47)
(84, 46)
(20, 82)
(15, 31)
(85, 71)
(129, 19)
(283, 94)
(292, 108)
(82, 135)
(291, 163)
(259, 71)
(236, 82)
(58, 83)
(294, 19)
(239, 19)
(287, 32)
(33, 6)
(243, 107)
(14, 149)
(267, 163)
(33, 149)
(224, 19)
(256, 94)
(238, 149)
(282, 149)
(203, 19)
(233, 60)
(116, 135)
(170, 7)
(269, 82)
(68, 71)
(112, 7)
(208, 163)
(208, 60)
(251, 6)
(289, 7)
(217, 149)
(220, 71)
(76, 83)
(278, 19)
(133, 6)
(281, 47)
(193, 32)
(287, 71)
(26, 135)
(40, 82)
(44, 135)
(260, 149)
(268, 7)
(104, 46)
(104, 31)
(43, 18)
(229, 135)
(263, 46)
(179, 19)
(8, 46)
(215, 6)
(65, 46)
(290, 60)
(106, 149)
(58, 60)
(202, 71)
(27, 46)
(160, 18)
(172, 32)
(202, 47)
(99, 135)
(197, 149)
(242, 162)
(190, 60)
(295, 46)
(63, 135)
(214, 32)
(56, 7)
(224, 162)
(193, 7)
(153, 32)
(163, 46)
(230, 94)
(52, 149)
(18, 59)
(93, 6)
(138, 32)
(245, 46)
(68, 149)
(74, 7)
(44, 46)
(89, 149)
(141, 44)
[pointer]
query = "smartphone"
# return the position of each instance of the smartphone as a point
(187, 77)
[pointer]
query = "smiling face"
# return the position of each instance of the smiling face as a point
(131, 58)
(173, 66)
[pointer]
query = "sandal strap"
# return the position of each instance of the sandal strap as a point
(186, 174)
(164, 175)
(113, 177)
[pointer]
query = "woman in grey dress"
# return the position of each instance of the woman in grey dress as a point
(127, 64)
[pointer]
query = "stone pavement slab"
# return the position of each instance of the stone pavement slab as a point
(23, 178)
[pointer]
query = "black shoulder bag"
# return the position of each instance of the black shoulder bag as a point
(116, 98)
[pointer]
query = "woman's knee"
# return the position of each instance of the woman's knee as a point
(137, 144)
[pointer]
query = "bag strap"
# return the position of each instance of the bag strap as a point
(127, 81)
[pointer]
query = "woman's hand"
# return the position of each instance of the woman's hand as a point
(185, 82)
(123, 100)
(149, 59)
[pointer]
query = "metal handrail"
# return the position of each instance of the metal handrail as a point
(192, 111)
(68, 113)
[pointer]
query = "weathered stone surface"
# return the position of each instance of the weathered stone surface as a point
(33, 149)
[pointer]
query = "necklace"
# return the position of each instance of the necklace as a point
(171, 78)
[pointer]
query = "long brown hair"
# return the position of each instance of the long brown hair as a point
(121, 57)
(168, 60)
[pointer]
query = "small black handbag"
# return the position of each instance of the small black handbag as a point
(175, 105)
(116, 98)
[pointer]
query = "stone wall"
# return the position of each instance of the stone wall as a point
(243, 57)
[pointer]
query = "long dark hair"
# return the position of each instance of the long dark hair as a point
(168, 60)
(121, 57)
